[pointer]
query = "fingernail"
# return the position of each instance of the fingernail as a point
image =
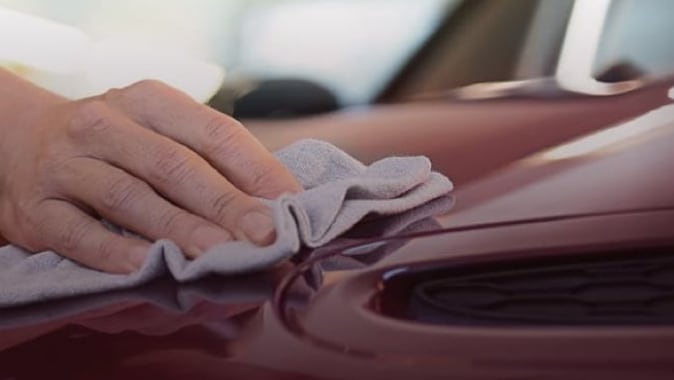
(206, 237)
(259, 227)
(137, 256)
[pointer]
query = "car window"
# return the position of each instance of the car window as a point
(638, 33)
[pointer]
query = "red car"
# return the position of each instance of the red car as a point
(556, 262)
(559, 266)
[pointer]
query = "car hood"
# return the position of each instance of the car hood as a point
(625, 167)
(320, 315)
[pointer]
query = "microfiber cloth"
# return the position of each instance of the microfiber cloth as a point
(339, 192)
(252, 289)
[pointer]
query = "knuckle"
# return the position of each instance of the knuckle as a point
(106, 251)
(223, 206)
(145, 88)
(112, 94)
(172, 165)
(221, 135)
(29, 222)
(262, 179)
(70, 237)
(92, 116)
(122, 193)
(25, 226)
(170, 221)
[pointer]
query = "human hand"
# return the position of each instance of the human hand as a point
(146, 157)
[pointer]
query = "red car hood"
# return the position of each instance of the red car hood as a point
(634, 172)
(327, 322)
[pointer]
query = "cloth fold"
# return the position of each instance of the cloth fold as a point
(339, 192)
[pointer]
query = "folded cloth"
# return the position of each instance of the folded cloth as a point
(339, 192)
(251, 289)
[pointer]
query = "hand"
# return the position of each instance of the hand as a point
(145, 157)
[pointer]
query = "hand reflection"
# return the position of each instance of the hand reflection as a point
(159, 308)
(194, 364)
(208, 313)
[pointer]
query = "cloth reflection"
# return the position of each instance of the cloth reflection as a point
(193, 326)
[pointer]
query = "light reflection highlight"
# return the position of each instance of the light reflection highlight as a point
(606, 138)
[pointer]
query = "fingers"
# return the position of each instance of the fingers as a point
(74, 234)
(224, 142)
(147, 158)
(134, 205)
(172, 169)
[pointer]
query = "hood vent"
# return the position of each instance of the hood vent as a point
(612, 288)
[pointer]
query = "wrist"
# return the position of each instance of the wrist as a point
(21, 103)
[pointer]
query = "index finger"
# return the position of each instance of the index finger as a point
(221, 140)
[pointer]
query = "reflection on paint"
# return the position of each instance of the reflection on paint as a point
(620, 134)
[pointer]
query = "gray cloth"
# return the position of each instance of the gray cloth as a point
(339, 192)
(252, 289)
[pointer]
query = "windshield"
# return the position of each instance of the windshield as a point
(352, 47)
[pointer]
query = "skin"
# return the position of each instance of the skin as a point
(146, 157)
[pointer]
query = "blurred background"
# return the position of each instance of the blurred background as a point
(351, 47)
(478, 86)
(375, 77)
(330, 54)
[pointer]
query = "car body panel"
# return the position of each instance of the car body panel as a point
(321, 314)
(314, 317)
(456, 134)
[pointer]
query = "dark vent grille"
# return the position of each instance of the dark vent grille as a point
(634, 288)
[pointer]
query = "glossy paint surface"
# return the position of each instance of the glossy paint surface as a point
(465, 140)
(316, 316)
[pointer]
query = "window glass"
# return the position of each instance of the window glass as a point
(638, 33)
